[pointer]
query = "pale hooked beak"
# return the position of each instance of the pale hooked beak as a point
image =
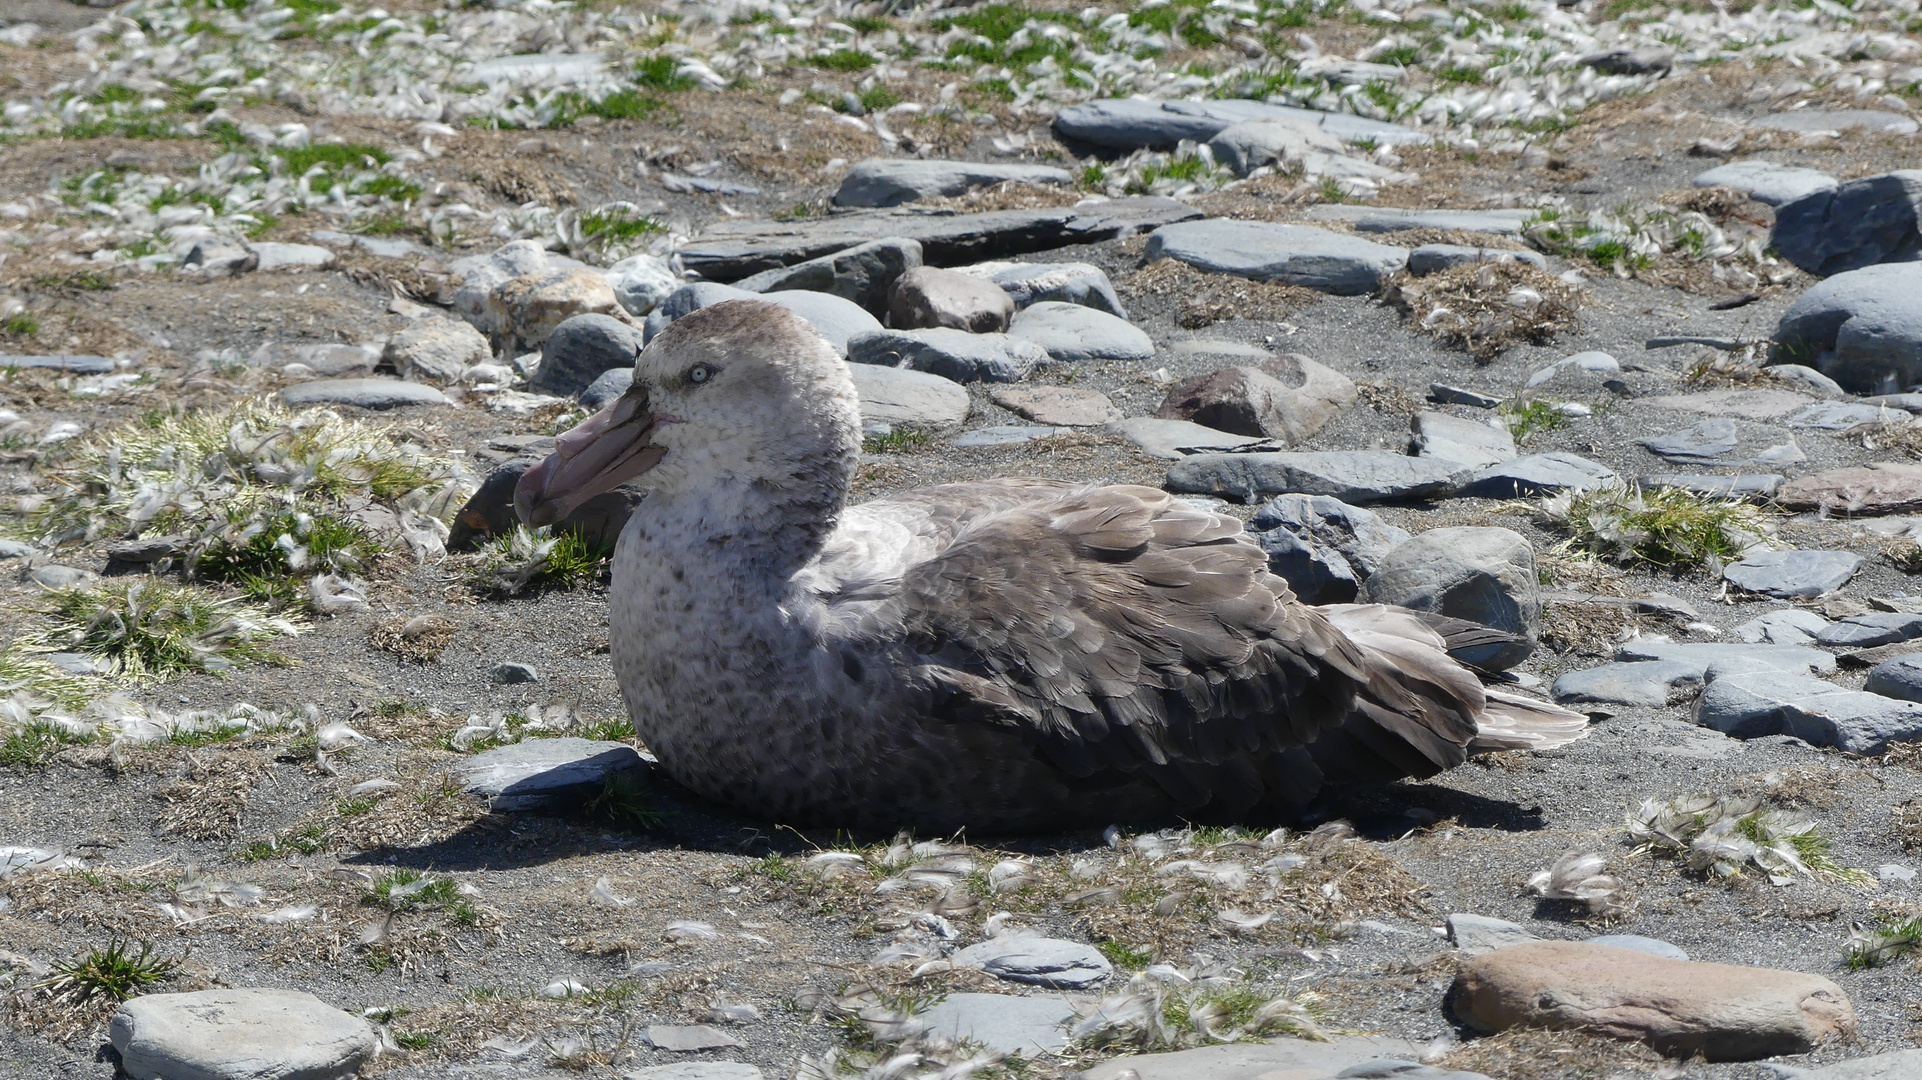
(599, 454)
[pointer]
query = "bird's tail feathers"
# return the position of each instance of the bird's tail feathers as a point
(1513, 722)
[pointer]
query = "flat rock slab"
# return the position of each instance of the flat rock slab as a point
(1856, 224)
(240, 1034)
(79, 365)
(1761, 703)
(1725, 441)
(1901, 1065)
(365, 393)
(1434, 258)
(1129, 123)
(1700, 655)
(891, 182)
(1282, 1059)
(1648, 683)
(1818, 120)
(1008, 435)
(1899, 678)
(1291, 254)
(1885, 487)
(1385, 220)
(1060, 406)
(729, 250)
(1767, 182)
(1539, 474)
(1353, 476)
(1172, 440)
(897, 396)
(951, 354)
(1842, 415)
(1791, 574)
(535, 773)
(1789, 626)
(1477, 934)
(687, 1038)
(1744, 486)
(292, 256)
(1681, 1008)
(1030, 283)
(1870, 630)
(1470, 442)
(1003, 1023)
(1071, 333)
(1038, 961)
(1649, 945)
(1745, 404)
(695, 1070)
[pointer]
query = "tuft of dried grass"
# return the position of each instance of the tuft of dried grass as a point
(418, 640)
(1486, 308)
(1387, 397)
(210, 802)
(1584, 629)
(1900, 435)
(1202, 298)
(1540, 1054)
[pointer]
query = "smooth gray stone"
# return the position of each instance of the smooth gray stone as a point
(1910, 402)
(1172, 440)
(535, 773)
(221, 255)
(1385, 220)
(1813, 381)
(331, 360)
(1816, 120)
(1003, 1023)
(1008, 435)
(366, 393)
(387, 247)
(863, 273)
(1791, 574)
(898, 396)
(696, 1070)
(838, 319)
(611, 384)
(1279, 1059)
(549, 68)
(1721, 440)
(729, 250)
(1128, 124)
(1789, 626)
(1897, 678)
(1434, 258)
(57, 576)
(581, 350)
(79, 365)
(1857, 224)
(295, 256)
(1750, 486)
(1071, 333)
(508, 671)
(687, 1038)
(1323, 547)
(1478, 934)
(1652, 946)
(239, 1034)
(1862, 328)
(1767, 182)
(1757, 704)
(1483, 575)
(951, 354)
(1627, 61)
(1870, 630)
(893, 181)
(1443, 394)
(1038, 961)
(1291, 254)
(15, 549)
(1251, 144)
(1796, 660)
(1353, 476)
(148, 549)
(1031, 283)
(1650, 683)
(1842, 415)
(928, 297)
(1899, 1065)
(1453, 438)
(74, 663)
(1538, 474)
(690, 298)
(1598, 365)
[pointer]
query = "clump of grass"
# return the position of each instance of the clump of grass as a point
(1886, 939)
(307, 840)
(625, 801)
(264, 554)
(1725, 838)
(21, 324)
(896, 441)
(1527, 418)
(1666, 527)
(844, 60)
(116, 970)
(1905, 555)
(528, 558)
(1485, 308)
(150, 629)
(406, 890)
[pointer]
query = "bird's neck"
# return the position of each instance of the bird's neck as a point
(750, 530)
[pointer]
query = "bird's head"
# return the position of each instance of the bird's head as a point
(742, 391)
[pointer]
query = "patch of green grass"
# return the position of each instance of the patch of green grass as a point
(415, 1040)
(611, 729)
(532, 558)
(333, 156)
(878, 97)
(254, 550)
(844, 60)
(896, 441)
(21, 324)
(617, 223)
(1094, 177)
(626, 802)
(149, 629)
(1887, 939)
(620, 105)
(659, 73)
(355, 807)
(869, 24)
(1404, 55)
(387, 186)
(33, 745)
(307, 840)
(1126, 957)
(1526, 418)
(115, 970)
(773, 868)
(1666, 527)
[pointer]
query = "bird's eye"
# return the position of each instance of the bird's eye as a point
(700, 373)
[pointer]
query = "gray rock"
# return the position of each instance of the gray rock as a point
(291, 256)
(1038, 961)
(641, 282)
(1856, 224)
(688, 299)
(1627, 61)
(581, 350)
(1723, 441)
(1172, 440)
(1071, 333)
(838, 319)
(1789, 626)
(1482, 575)
(1910, 402)
(927, 297)
(536, 773)
(74, 663)
(1747, 486)
(1593, 365)
(239, 1034)
(1870, 630)
(1894, 874)
(78, 365)
(478, 276)
(951, 354)
(1767, 182)
(1008, 435)
(1323, 547)
(1757, 704)
(1898, 678)
(898, 396)
(1701, 656)
(1278, 141)
(1538, 474)
(729, 250)
(1477, 934)
(1899, 1065)
(1434, 258)
(696, 1070)
(1030, 1026)
(1130, 124)
(1649, 945)
(1393, 1069)
(1070, 283)
(148, 549)
(1288, 400)
(437, 349)
(1374, 219)
(1062, 406)
(1812, 381)
(610, 384)
(1471, 443)
(1353, 476)
(1652, 683)
(15, 549)
(863, 273)
(1861, 328)
(57, 576)
(1791, 574)
(1809, 121)
(893, 181)
(220, 256)
(507, 672)
(365, 393)
(489, 512)
(1291, 254)
(687, 1038)
(329, 360)
(1842, 415)
(1443, 394)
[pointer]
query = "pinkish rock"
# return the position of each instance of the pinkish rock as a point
(924, 298)
(1885, 487)
(1058, 406)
